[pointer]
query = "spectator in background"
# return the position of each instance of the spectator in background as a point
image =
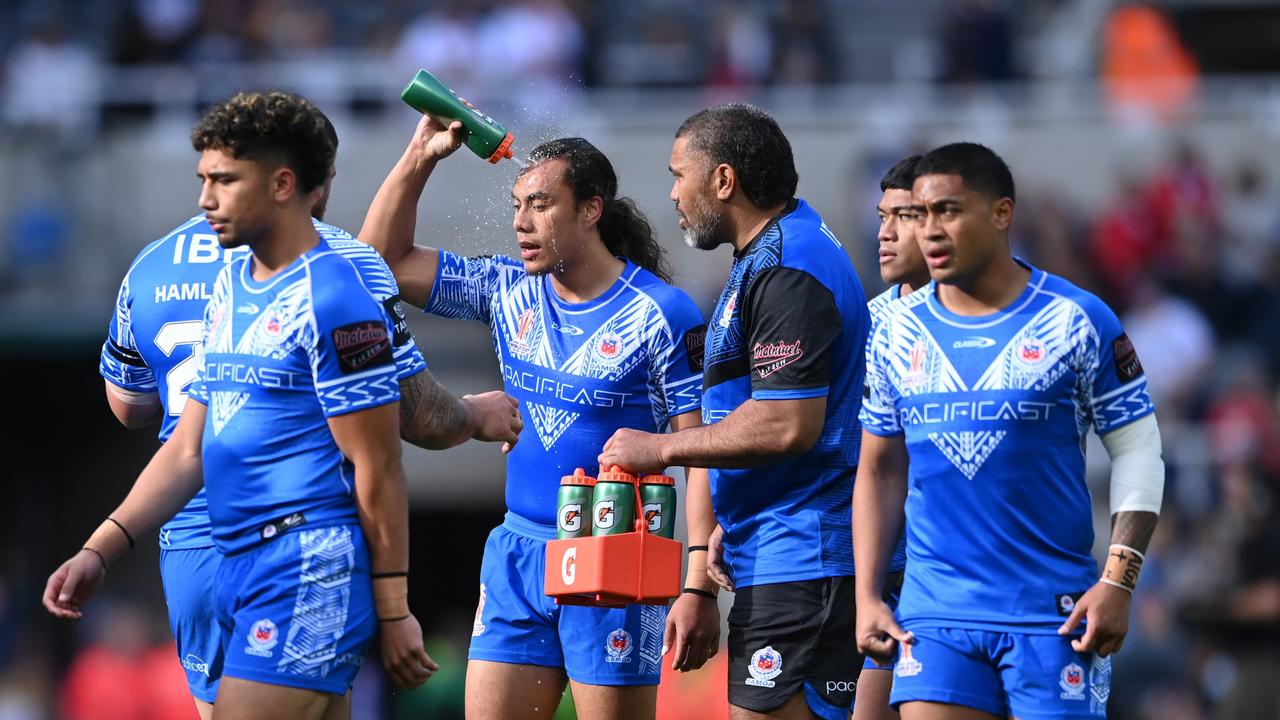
(157, 31)
(805, 51)
(48, 58)
(977, 39)
(443, 40)
(741, 47)
(1251, 223)
(1174, 340)
(1146, 71)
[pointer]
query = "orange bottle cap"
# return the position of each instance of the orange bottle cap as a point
(616, 474)
(503, 150)
(579, 477)
(657, 480)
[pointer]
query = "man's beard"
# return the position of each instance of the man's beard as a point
(708, 232)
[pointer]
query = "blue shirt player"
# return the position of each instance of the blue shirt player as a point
(783, 380)
(294, 412)
(988, 380)
(590, 339)
(149, 360)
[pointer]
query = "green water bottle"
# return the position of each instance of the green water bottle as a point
(658, 492)
(485, 137)
(614, 503)
(573, 505)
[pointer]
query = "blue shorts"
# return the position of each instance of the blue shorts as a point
(188, 577)
(298, 609)
(517, 623)
(1031, 677)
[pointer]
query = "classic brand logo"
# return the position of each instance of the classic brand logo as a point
(571, 517)
(362, 345)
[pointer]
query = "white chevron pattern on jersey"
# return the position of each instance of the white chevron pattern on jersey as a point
(967, 450)
(223, 406)
(550, 422)
(274, 333)
(321, 607)
(628, 325)
(1048, 346)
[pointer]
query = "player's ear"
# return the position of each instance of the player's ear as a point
(724, 180)
(1002, 213)
(283, 183)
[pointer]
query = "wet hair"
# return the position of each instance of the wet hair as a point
(273, 128)
(623, 227)
(901, 176)
(748, 140)
(981, 169)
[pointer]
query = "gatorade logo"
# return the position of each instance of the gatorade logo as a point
(653, 516)
(571, 517)
(569, 566)
(605, 516)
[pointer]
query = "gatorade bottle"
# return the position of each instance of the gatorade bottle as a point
(614, 503)
(573, 505)
(659, 495)
(485, 137)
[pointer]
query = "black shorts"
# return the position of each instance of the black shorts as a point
(787, 635)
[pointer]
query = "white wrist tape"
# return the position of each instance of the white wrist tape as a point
(1137, 469)
(133, 397)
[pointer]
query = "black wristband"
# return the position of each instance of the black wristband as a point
(704, 593)
(395, 619)
(693, 548)
(100, 558)
(380, 576)
(124, 530)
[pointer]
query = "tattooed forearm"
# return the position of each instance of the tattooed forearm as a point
(1133, 529)
(430, 417)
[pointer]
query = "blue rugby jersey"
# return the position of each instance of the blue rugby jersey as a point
(630, 358)
(155, 333)
(994, 411)
(791, 323)
(876, 307)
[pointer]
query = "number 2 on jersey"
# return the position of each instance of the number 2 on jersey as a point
(172, 336)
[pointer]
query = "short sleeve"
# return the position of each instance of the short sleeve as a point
(1117, 384)
(465, 286)
(121, 362)
(792, 323)
(676, 366)
(351, 353)
(879, 413)
(408, 358)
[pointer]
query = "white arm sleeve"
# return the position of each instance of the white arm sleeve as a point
(1137, 468)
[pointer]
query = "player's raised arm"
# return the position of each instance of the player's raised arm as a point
(391, 218)
(169, 481)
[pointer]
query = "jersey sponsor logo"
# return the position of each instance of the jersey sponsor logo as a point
(605, 515)
(569, 565)
(362, 345)
(907, 666)
(183, 291)
(570, 519)
(974, 341)
(842, 686)
(400, 322)
(203, 248)
(567, 329)
(263, 636)
(653, 516)
(193, 663)
(695, 347)
(247, 374)
(618, 646)
(765, 665)
(1066, 602)
(610, 346)
(979, 410)
(1071, 680)
(769, 358)
(1128, 366)
(726, 317)
(548, 387)
(477, 627)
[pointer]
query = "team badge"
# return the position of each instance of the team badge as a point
(477, 628)
(1071, 680)
(1031, 351)
(907, 666)
(765, 665)
(273, 325)
(610, 346)
(262, 637)
(727, 316)
(618, 646)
